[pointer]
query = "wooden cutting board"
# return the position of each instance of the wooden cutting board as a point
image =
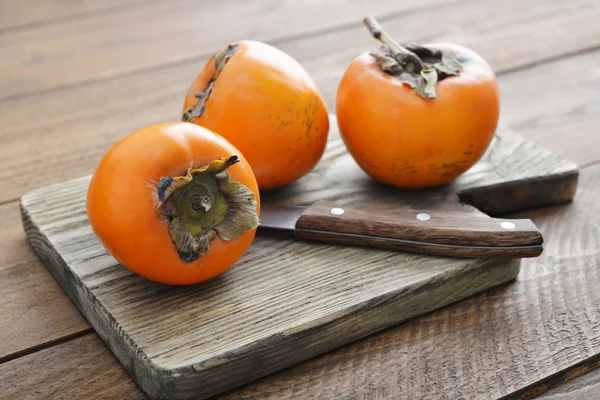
(285, 301)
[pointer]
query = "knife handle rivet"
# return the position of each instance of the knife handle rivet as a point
(423, 217)
(337, 211)
(507, 225)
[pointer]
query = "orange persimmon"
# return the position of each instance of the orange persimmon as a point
(174, 202)
(264, 102)
(417, 116)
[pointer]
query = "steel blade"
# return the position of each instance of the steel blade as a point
(280, 217)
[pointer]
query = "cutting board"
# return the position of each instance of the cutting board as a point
(285, 301)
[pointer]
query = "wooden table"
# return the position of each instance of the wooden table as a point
(77, 76)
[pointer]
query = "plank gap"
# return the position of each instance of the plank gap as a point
(589, 164)
(344, 26)
(45, 345)
(548, 60)
(76, 16)
(565, 375)
(281, 40)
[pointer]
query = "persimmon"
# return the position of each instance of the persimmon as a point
(264, 102)
(174, 202)
(417, 116)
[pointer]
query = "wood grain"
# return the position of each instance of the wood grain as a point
(30, 296)
(490, 345)
(83, 368)
(66, 139)
(519, 339)
(76, 59)
(447, 233)
(27, 14)
(562, 115)
(14, 248)
(110, 47)
(60, 312)
(193, 353)
(71, 127)
(35, 312)
(576, 386)
(228, 323)
(426, 249)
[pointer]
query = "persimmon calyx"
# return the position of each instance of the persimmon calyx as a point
(221, 59)
(418, 66)
(205, 204)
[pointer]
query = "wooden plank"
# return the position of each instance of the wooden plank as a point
(495, 31)
(73, 137)
(576, 387)
(561, 115)
(30, 296)
(100, 121)
(165, 33)
(67, 58)
(500, 336)
(257, 313)
(517, 339)
(64, 142)
(45, 299)
(25, 14)
(14, 248)
(35, 311)
(83, 368)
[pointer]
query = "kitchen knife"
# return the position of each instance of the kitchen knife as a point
(446, 233)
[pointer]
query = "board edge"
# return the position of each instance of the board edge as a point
(185, 382)
(507, 197)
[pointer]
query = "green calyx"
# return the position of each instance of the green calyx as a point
(418, 66)
(205, 204)
(221, 59)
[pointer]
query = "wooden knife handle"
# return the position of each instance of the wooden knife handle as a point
(447, 233)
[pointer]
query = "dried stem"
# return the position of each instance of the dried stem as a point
(402, 54)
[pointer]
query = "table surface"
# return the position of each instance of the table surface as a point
(77, 76)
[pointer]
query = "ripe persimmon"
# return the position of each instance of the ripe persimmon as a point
(417, 116)
(263, 102)
(174, 202)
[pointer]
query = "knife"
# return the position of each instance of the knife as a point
(444, 233)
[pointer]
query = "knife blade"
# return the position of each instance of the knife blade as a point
(445, 233)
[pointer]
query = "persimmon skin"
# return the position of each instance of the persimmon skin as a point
(268, 106)
(402, 139)
(122, 200)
